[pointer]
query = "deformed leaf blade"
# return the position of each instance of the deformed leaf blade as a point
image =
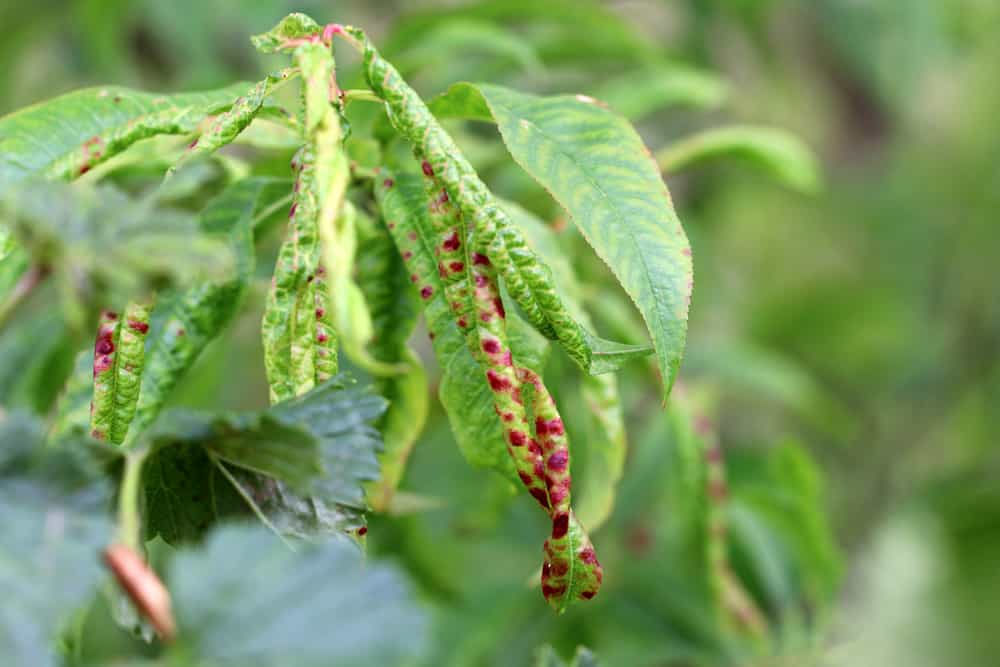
(596, 166)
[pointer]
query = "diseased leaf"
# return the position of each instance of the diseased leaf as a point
(596, 166)
(318, 606)
(68, 135)
(288, 32)
(465, 396)
(777, 152)
(603, 443)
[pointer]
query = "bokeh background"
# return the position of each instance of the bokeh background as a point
(844, 335)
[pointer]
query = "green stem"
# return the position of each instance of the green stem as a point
(361, 95)
(129, 514)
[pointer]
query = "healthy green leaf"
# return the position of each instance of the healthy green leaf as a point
(245, 599)
(597, 168)
(777, 152)
(70, 134)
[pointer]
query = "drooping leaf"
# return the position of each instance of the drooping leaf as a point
(66, 136)
(596, 166)
(777, 152)
(525, 276)
(465, 396)
(318, 606)
(603, 443)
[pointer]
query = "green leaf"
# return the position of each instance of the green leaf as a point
(66, 136)
(293, 27)
(642, 91)
(777, 152)
(304, 463)
(596, 166)
(245, 599)
(53, 528)
(255, 441)
(184, 323)
(546, 656)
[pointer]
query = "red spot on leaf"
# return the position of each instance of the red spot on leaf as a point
(491, 346)
(456, 266)
(138, 327)
(541, 497)
(586, 595)
(84, 169)
(451, 243)
(518, 438)
(588, 556)
(426, 292)
(407, 254)
(462, 322)
(498, 304)
(321, 337)
(481, 281)
(320, 313)
(388, 183)
(480, 260)
(553, 591)
(525, 478)
(412, 236)
(551, 427)
(414, 277)
(559, 460)
(427, 168)
(508, 416)
(363, 530)
(291, 211)
(497, 381)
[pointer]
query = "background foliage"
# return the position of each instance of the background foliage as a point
(844, 337)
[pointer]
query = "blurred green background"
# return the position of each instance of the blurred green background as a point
(845, 339)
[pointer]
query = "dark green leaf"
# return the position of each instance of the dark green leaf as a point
(245, 599)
